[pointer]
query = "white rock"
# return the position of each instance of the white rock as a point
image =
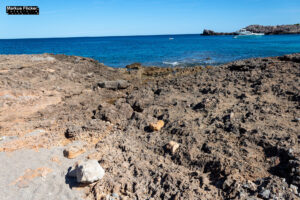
(294, 188)
(172, 146)
(265, 194)
(89, 171)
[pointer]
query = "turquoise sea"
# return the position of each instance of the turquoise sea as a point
(183, 50)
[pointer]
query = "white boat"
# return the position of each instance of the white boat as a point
(244, 32)
(171, 38)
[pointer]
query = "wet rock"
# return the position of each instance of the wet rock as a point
(89, 171)
(114, 85)
(157, 126)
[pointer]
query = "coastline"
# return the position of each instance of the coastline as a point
(293, 29)
(236, 126)
(186, 50)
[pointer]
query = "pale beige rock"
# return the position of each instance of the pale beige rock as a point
(73, 152)
(172, 146)
(157, 126)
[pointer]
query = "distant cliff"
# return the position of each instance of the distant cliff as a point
(210, 32)
(275, 30)
(268, 30)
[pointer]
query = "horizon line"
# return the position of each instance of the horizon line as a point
(66, 37)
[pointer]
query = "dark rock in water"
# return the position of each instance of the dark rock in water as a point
(114, 85)
(210, 32)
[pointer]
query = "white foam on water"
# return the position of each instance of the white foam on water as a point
(171, 63)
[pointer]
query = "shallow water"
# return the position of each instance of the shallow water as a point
(184, 50)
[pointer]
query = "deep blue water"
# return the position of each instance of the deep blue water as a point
(158, 50)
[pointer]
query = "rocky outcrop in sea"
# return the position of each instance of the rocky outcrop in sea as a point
(267, 30)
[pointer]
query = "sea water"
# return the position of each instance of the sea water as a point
(182, 50)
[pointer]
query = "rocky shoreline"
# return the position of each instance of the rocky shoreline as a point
(225, 132)
(267, 30)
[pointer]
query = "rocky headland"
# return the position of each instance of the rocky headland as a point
(73, 128)
(267, 30)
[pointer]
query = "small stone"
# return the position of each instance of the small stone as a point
(232, 116)
(114, 85)
(89, 171)
(205, 180)
(172, 146)
(74, 151)
(115, 195)
(157, 126)
(265, 194)
(72, 131)
(294, 188)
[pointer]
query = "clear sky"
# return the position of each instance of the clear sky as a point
(71, 18)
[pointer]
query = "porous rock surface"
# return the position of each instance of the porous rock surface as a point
(234, 124)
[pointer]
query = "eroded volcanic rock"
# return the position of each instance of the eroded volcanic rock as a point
(234, 124)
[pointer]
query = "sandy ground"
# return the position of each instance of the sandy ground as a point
(38, 174)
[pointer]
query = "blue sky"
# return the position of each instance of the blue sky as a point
(71, 18)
